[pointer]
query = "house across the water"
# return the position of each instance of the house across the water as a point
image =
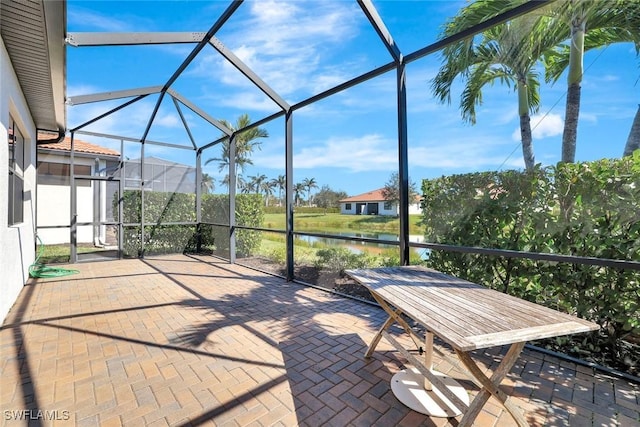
(374, 203)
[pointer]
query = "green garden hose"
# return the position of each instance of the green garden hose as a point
(37, 270)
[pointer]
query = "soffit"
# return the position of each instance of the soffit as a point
(33, 32)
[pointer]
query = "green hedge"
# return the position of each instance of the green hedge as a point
(300, 210)
(161, 208)
(584, 209)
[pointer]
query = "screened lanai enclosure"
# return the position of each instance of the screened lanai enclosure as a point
(231, 119)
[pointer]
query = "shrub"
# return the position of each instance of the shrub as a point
(162, 208)
(583, 209)
(340, 259)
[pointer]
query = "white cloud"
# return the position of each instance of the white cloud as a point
(365, 153)
(96, 21)
(375, 152)
(248, 101)
(542, 126)
(461, 154)
(287, 45)
(130, 121)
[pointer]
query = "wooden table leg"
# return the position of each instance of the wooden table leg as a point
(428, 357)
(490, 386)
(395, 315)
(376, 338)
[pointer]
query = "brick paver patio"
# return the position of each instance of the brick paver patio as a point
(184, 340)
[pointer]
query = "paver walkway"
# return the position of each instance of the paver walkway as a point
(182, 340)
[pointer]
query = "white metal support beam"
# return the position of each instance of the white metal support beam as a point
(200, 112)
(116, 94)
(376, 21)
(115, 39)
(248, 72)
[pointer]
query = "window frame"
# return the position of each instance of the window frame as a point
(58, 173)
(15, 185)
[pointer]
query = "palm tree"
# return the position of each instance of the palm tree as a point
(256, 181)
(267, 188)
(309, 184)
(633, 142)
(587, 24)
(280, 183)
(506, 53)
(298, 189)
(246, 142)
(241, 183)
(207, 183)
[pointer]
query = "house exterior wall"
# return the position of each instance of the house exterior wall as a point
(17, 248)
(414, 209)
(54, 205)
(348, 208)
(352, 208)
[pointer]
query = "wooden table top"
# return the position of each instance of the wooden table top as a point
(466, 315)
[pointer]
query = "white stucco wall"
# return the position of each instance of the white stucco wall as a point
(54, 206)
(17, 247)
(414, 209)
(345, 211)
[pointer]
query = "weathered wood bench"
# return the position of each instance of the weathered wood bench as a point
(466, 316)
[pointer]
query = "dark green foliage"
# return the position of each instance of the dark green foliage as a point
(585, 209)
(329, 199)
(340, 259)
(162, 208)
(300, 210)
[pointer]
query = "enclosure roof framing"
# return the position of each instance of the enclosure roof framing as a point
(201, 39)
(116, 94)
(77, 39)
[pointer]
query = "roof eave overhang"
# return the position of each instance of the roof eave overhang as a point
(55, 30)
(33, 32)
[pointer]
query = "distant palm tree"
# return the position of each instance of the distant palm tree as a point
(280, 183)
(267, 188)
(246, 142)
(207, 183)
(506, 53)
(241, 183)
(309, 184)
(298, 189)
(255, 183)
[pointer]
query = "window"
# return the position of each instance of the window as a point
(58, 174)
(347, 206)
(388, 206)
(16, 174)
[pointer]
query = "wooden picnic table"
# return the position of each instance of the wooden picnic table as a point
(467, 316)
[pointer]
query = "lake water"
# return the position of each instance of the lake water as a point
(359, 247)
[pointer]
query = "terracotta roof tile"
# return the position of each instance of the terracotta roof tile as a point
(371, 196)
(80, 147)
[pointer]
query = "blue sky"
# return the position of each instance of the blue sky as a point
(349, 140)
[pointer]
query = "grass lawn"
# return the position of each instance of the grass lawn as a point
(62, 253)
(336, 222)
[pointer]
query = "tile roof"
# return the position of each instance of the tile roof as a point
(80, 147)
(371, 196)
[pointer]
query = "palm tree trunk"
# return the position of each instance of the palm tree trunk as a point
(574, 79)
(527, 141)
(633, 142)
(570, 134)
(525, 125)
